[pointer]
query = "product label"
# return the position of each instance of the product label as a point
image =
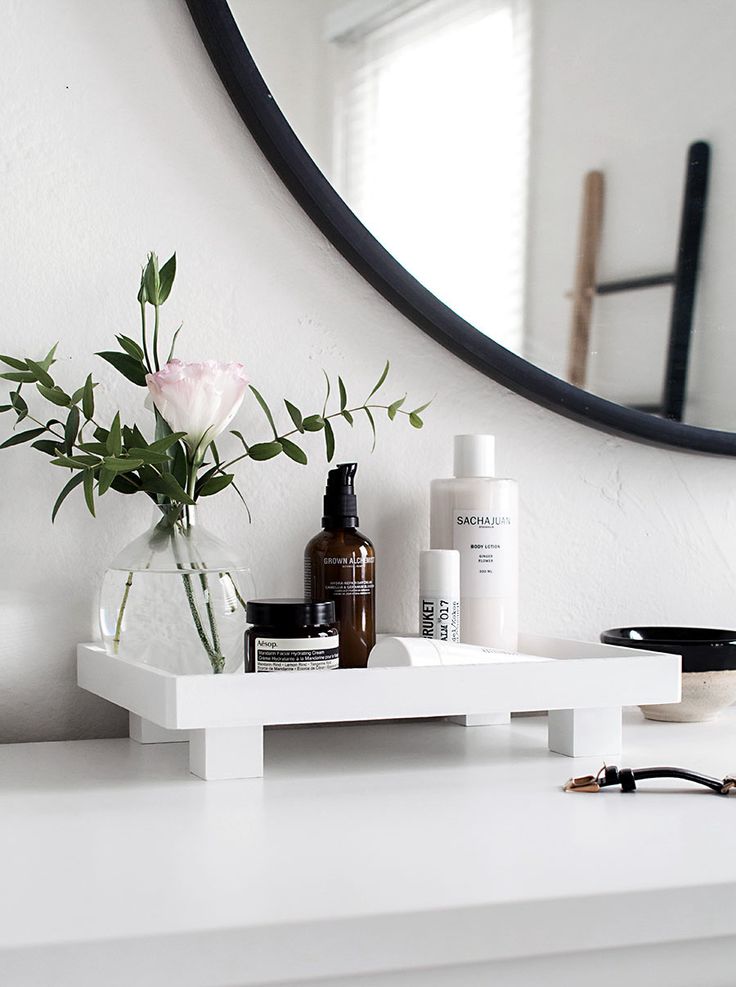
(489, 551)
(288, 654)
(357, 578)
(440, 619)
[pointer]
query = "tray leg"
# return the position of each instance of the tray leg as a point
(481, 719)
(218, 753)
(585, 732)
(146, 732)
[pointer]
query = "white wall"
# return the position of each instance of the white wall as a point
(626, 87)
(117, 138)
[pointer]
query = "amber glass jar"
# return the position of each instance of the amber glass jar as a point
(291, 636)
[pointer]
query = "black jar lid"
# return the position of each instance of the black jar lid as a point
(289, 613)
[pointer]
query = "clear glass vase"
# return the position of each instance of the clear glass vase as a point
(175, 598)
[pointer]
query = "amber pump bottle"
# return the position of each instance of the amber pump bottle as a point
(339, 565)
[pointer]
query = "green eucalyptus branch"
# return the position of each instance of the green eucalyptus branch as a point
(121, 458)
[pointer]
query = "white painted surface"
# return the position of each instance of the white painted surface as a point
(117, 138)
(366, 850)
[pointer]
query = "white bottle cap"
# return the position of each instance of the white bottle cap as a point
(439, 574)
(475, 455)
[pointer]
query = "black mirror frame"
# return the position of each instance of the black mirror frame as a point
(278, 142)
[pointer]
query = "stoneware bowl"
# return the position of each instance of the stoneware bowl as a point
(708, 668)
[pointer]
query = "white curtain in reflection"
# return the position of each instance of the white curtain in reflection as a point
(431, 146)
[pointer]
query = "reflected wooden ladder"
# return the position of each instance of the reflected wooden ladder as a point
(683, 281)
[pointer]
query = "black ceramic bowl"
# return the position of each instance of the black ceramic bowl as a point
(702, 648)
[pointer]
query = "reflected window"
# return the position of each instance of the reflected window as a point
(433, 97)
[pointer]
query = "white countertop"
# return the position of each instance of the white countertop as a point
(365, 848)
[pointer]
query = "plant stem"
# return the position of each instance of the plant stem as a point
(210, 612)
(216, 659)
(143, 337)
(121, 611)
(155, 337)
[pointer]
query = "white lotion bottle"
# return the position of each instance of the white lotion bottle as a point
(477, 514)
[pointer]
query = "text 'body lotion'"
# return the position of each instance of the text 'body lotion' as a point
(340, 565)
(477, 514)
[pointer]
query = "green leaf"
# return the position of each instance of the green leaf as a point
(19, 405)
(55, 395)
(347, 416)
(179, 466)
(327, 395)
(215, 484)
(131, 347)
(215, 453)
(343, 394)
(47, 446)
(19, 437)
(89, 490)
(105, 481)
(314, 423)
(415, 420)
(329, 441)
(295, 415)
(381, 379)
(115, 439)
(77, 395)
(161, 445)
(125, 484)
(124, 363)
(421, 408)
(166, 279)
(151, 279)
(94, 448)
(88, 398)
(71, 429)
(166, 484)
(41, 375)
(264, 450)
(149, 456)
(11, 361)
(101, 434)
(293, 451)
(130, 437)
(266, 411)
(239, 435)
(117, 465)
(237, 490)
(66, 490)
(372, 422)
(5, 407)
(393, 408)
(76, 462)
(49, 358)
(19, 376)
(173, 344)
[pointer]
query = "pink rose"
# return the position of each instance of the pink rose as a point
(200, 399)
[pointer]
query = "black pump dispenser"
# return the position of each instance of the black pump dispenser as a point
(340, 502)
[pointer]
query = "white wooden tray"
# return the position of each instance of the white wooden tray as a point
(223, 716)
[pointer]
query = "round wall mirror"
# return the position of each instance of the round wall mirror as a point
(544, 186)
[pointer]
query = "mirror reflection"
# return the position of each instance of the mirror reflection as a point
(556, 171)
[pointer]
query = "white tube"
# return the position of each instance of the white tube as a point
(439, 594)
(391, 651)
